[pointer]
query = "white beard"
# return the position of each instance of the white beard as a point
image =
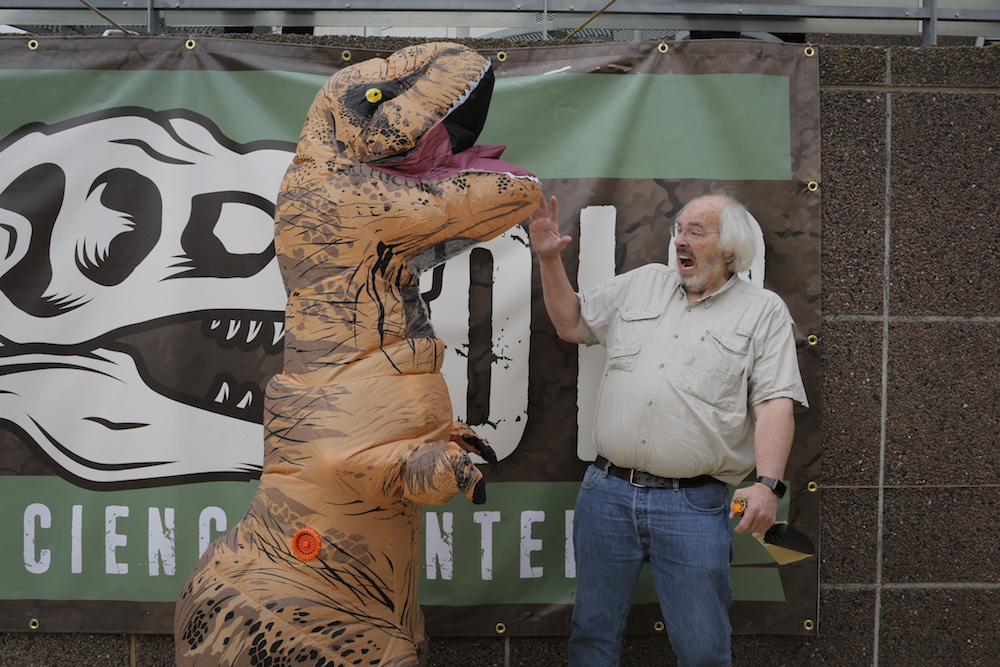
(707, 269)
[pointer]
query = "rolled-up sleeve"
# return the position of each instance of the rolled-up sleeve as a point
(597, 309)
(775, 366)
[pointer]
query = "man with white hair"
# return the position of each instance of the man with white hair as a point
(700, 388)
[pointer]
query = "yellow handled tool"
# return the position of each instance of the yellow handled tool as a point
(784, 543)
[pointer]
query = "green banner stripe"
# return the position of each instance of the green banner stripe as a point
(247, 106)
(559, 126)
(524, 548)
(710, 126)
(61, 542)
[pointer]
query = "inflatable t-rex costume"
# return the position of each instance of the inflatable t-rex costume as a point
(323, 568)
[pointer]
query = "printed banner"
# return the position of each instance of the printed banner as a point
(141, 309)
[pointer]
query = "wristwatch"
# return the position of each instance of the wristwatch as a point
(775, 485)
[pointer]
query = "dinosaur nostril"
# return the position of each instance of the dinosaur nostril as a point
(37, 196)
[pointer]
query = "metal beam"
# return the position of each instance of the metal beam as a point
(929, 17)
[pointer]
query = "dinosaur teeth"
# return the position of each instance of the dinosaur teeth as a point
(246, 333)
(246, 401)
(228, 395)
(253, 328)
(468, 91)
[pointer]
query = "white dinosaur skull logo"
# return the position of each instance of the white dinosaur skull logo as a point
(115, 225)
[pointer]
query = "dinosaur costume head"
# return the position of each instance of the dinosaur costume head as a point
(386, 182)
(416, 116)
(383, 108)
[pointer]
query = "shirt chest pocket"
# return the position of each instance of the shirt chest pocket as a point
(631, 330)
(716, 376)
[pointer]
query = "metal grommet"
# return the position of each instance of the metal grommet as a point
(33, 44)
(33, 624)
(808, 624)
(501, 628)
(189, 44)
(501, 56)
(813, 186)
(812, 487)
(662, 48)
(812, 339)
(658, 626)
(345, 55)
(810, 52)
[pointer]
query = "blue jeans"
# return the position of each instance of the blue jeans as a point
(686, 536)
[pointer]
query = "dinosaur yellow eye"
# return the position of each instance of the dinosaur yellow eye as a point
(374, 95)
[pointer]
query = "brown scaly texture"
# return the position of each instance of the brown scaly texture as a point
(358, 428)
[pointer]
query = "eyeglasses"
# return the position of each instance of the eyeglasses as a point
(691, 234)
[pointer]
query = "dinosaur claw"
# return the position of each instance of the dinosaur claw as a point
(479, 493)
(478, 446)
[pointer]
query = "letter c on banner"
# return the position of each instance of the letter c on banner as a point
(209, 517)
(44, 516)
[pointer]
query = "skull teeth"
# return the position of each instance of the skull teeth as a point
(246, 333)
(222, 396)
(253, 328)
(279, 333)
(246, 401)
(237, 399)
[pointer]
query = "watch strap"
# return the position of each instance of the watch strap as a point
(775, 485)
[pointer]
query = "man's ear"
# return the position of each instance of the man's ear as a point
(15, 238)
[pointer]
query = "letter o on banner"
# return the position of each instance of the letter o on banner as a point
(483, 314)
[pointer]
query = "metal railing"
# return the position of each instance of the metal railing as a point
(928, 18)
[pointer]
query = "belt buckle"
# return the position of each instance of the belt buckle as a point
(631, 476)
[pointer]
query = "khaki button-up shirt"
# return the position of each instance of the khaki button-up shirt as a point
(682, 378)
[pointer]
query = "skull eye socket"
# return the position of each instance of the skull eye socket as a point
(138, 199)
(206, 252)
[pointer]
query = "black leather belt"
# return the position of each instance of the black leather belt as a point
(649, 481)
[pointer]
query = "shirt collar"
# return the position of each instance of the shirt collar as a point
(710, 300)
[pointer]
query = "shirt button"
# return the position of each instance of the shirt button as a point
(661, 365)
(649, 402)
(642, 441)
(675, 335)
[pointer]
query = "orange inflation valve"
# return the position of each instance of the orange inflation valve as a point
(306, 543)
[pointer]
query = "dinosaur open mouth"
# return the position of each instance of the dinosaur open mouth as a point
(217, 361)
(467, 116)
